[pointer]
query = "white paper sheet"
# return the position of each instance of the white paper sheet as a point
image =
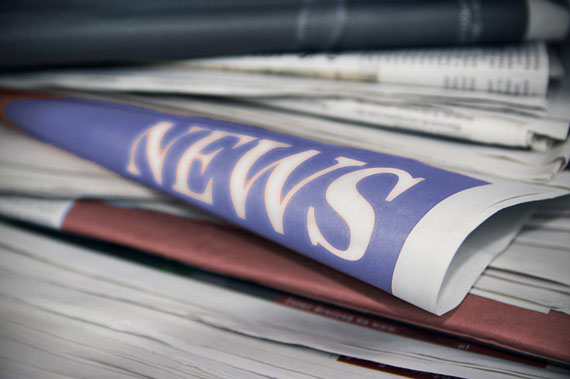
(542, 262)
(548, 298)
(171, 80)
(449, 121)
(187, 321)
(517, 69)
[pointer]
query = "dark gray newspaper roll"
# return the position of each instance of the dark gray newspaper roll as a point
(70, 32)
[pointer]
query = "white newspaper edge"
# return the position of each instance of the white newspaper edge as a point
(50, 213)
(425, 290)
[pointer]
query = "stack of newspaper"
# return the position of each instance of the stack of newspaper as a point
(482, 110)
(402, 210)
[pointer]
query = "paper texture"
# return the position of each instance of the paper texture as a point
(515, 120)
(517, 69)
(221, 248)
(46, 213)
(370, 215)
(450, 121)
(533, 166)
(105, 298)
(32, 167)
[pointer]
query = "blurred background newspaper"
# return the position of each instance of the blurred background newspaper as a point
(483, 90)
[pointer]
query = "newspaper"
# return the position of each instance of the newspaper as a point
(558, 100)
(517, 69)
(526, 274)
(222, 248)
(176, 80)
(106, 311)
(46, 171)
(535, 294)
(29, 166)
(445, 120)
(483, 117)
(533, 271)
(532, 166)
(91, 318)
(417, 231)
(548, 263)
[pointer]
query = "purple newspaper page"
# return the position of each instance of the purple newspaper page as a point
(390, 221)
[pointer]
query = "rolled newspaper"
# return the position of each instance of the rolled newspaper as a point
(417, 231)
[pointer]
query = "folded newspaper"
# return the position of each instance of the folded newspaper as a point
(420, 232)
(518, 137)
(521, 69)
(458, 110)
(492, 95)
